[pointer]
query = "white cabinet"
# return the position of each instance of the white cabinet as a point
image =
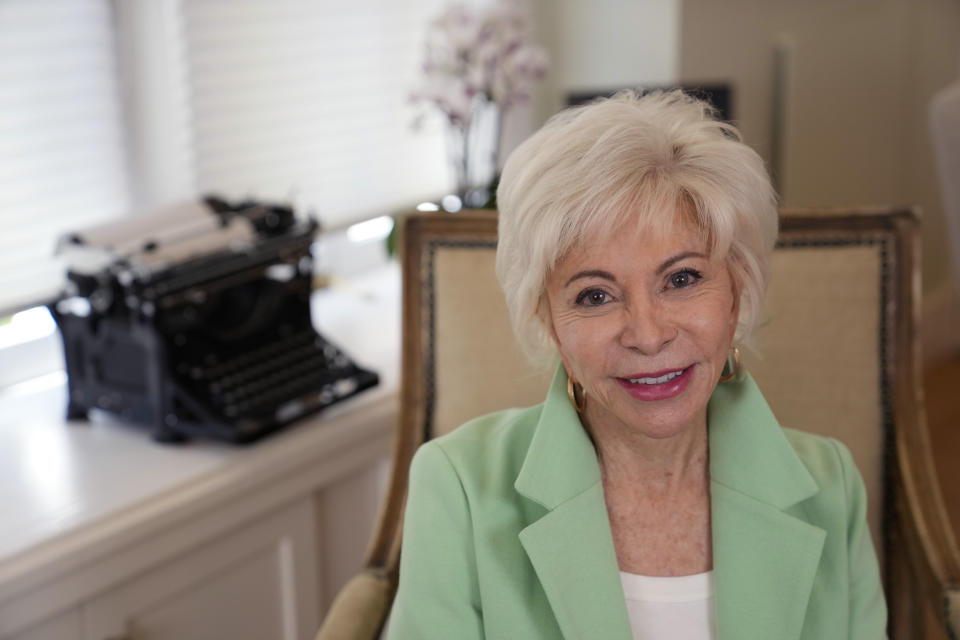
(258, 582)
(347, 512)
(253, 550)
(268, 577)
(105, 534)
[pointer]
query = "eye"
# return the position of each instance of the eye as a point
(593, 298)
(684, 278)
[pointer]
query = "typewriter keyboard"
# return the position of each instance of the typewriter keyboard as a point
(276, 382)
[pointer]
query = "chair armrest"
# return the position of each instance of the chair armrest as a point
(930, 541)
(953, 613)
(359, 610)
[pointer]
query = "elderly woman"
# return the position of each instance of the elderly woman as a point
(653, 493)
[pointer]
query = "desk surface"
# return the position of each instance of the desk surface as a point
(61, 483)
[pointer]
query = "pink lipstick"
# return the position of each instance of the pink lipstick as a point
(657, 386)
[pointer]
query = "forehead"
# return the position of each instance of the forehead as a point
(638, 240)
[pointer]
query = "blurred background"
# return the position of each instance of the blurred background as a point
(111, 107)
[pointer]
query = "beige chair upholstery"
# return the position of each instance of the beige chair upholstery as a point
(360, 608)
(836, 354)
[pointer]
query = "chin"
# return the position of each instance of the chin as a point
(665, 427)
(661, 419)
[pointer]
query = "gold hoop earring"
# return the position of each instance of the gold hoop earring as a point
(736, 367)
(572, 394)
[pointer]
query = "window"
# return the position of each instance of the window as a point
(307, 101)
(109, 108)
(62, 162)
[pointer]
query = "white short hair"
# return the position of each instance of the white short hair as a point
(591, 169)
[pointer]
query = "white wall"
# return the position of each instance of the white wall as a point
(860, 76)
(606, 44)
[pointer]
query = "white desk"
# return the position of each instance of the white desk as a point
(101, 526)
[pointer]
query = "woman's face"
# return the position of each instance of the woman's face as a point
(644, 323)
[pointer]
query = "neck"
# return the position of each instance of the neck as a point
(660, 464)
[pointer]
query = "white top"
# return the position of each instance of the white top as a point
(671, 608)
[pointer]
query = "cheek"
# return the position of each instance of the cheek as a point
(563, 335)
(569, 338)
(581, 344)
(714, 327)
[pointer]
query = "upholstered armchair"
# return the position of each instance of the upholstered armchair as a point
(837, 354)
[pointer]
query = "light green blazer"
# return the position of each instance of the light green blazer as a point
(506, 532)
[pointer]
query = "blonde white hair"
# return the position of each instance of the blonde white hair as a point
(593, 168)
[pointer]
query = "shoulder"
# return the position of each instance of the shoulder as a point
(840, 508)
(842, 497)
(485, 448)
(827, 459)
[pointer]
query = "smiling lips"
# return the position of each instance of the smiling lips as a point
(657, 386)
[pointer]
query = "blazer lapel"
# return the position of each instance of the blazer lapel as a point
(571, 550)
(764, 565)
(571, 547)
(765, 560)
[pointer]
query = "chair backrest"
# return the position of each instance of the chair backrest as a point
(466, 362)
(824, 353)
(836, 353)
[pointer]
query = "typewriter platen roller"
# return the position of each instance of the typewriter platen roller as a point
(195, 321)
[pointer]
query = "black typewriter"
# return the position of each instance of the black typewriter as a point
(195, 321)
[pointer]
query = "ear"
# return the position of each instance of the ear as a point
(737, 290)
(543, 309)
(563, 356)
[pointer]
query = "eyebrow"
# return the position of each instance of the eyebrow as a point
(677, 258)
(606, 275)
(591, 273)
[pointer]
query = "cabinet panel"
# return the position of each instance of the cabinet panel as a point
(258, 582)
(347, 513)
(65, 626)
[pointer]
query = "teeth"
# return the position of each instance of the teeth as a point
(660, 380)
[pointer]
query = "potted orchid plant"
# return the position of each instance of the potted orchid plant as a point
(478, 63)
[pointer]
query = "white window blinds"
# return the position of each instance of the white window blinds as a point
(307, 101)
(110, 107)
(61, 143)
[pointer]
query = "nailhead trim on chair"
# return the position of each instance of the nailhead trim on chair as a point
(889, 517)
(431, 249)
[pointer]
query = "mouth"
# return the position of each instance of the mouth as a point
(657, 386)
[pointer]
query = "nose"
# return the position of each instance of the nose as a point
(648, 327)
